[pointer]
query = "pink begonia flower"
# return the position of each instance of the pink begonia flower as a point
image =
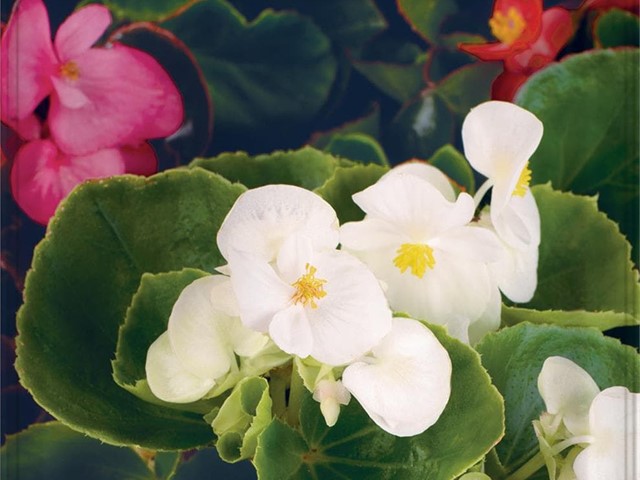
(100, 97)
(42, 175)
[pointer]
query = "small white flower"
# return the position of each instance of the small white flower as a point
(606, 423)
(310, 298)
(426, 172)
(331, 394)
(404, 384)
(499, 138)
(198, 349)
(422, 247)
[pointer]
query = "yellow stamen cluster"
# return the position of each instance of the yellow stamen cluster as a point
(308, 288)
(416, 256)
(70, 71)
(523, 182)
(507, 28)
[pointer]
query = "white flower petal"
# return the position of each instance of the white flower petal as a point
(517, 273)
(168, 379)
(426, 172)
(260, 292)
(567, 390)
(262, 218)
(406, 384)
(371, 233)
(197, 330)
(489, 321)
(472, 243)
(331, 394)
(518, 223)
(353, 316)
(415, 206)
(246, 342)
(291, 332)
(295, 253)
(223, 298)
(499, 138)
(614, 419)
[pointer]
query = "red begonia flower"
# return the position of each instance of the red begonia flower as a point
(505, 86)
(515, 23)
(42, 175)
(100, 97)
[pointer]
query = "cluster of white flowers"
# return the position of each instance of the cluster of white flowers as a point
(287, 291)
(601, 427)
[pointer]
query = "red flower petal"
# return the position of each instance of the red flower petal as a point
(531, 12)
(27, 60)
(81, 30)
(130, 98)
(42, 175)
(557, 29)
(140, 160)
(506, 85)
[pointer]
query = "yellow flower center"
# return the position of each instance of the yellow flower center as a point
(70, 71)
(416, 256)
(308, 288)
(507, 28)
(523, 182)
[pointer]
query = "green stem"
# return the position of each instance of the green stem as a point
(529, 468)
(295, 398)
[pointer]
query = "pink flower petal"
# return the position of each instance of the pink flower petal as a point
(27, 60)
(81, 30)
(130, 98)
(140, 160)
(42, 175)
(28, 127)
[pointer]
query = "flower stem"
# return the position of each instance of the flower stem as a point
(295, 398)
(529, 468)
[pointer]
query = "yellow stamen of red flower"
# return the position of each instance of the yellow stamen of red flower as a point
(507, 28)
(416, 256)
(70, 71)
(308, 288)
(523, 182)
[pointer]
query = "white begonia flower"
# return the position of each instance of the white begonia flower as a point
(567, 391)
(422, 247)
(404, 384)
(426, 172)
(291, 282)
(499, 138)
(331, 394)
(203, 337)
(607, 422)
(614, 422)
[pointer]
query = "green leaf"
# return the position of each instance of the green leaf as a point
(588, 104)
(146, 318)
(369, 124)
(514, 358)
(105, 235)
(271, 73)
(344, 183)
(617, 28)
(426, 16)
(307, 167)
(179, 63)
(455, 166)
(584, 261)
(358, 147)
(356, 448)
(145, 10)
(573, 318)
(242, 418)
(468, 86)
(419, 129)
(402, 82)
(165, 464)
(55, 452)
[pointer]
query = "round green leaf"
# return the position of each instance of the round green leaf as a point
(55, 452)
(346, 181)
(357, 147)
(402, 82)
(471, 424)
(84, 274)
(468, 86)
(573, 318)
(617, 28)
(514, 357)
(588, 104)
(584, 261)
(369, 125)
(206, 464)
(455, 166)
(426, 16)
(270, 73)
(307, 167)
